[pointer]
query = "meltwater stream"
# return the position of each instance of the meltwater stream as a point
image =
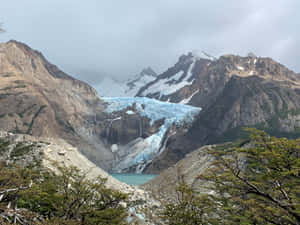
(133, 179)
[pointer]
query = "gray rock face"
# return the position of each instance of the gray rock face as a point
(234, 92)
(186, 170)
(37, 98)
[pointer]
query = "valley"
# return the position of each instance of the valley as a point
(153, 132)
(149, 112)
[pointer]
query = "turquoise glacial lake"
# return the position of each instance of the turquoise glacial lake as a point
(133, 179)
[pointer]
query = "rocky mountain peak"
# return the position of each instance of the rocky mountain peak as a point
(148, 71)
(263, 67)
(188, 58)
(24, 58)
(38, 99)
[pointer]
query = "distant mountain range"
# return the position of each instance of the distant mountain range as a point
(111, 87)
(195, 102)
(38, 99)
(233, 92)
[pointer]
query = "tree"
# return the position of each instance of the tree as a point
(191, 208)
(71, 197)
(38, 196)
(13, 180)
(257, 182)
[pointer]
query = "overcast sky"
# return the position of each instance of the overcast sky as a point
(116, 37)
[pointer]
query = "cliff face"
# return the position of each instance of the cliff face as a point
(187, 170)
(233, 92)
(198, 81)
(39, 99)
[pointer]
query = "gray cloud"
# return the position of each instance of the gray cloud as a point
(90, 38)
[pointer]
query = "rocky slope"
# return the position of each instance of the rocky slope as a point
(233, 92)
(186, 170)
(198, 81)
(52, 152)
(38, 99)
(110, 87)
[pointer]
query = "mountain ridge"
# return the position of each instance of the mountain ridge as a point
(233, 92)
(37, 98)
(111, 87)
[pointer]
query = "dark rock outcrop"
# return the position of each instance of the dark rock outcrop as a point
(233, 92)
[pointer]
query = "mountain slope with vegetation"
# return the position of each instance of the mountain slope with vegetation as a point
(256, 181)
(48, 181)
(30, 193)
(233, 92)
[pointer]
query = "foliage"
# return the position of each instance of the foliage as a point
(41, 197)
(258, 183)
(191, 208)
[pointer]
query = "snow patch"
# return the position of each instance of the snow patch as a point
(110, 87)
(240, 68)
(187, 100)
(177, 76)
(132, 90)
(114, 148)
(166, 87)
(115, 119)
(130, 112)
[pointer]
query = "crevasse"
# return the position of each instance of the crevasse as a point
(172, 113)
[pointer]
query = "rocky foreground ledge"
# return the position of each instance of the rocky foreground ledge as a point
(57, 152)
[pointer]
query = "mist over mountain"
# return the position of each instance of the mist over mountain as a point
(112, 87)
(149, 112)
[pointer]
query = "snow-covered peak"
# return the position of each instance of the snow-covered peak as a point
(148, 72)
(111, 87)
(133, 85)
(172, 81)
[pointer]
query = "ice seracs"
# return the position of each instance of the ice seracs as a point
(144, 150)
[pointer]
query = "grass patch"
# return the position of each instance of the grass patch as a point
(4, 145)
(21, 149)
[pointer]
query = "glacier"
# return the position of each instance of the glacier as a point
(145, 150)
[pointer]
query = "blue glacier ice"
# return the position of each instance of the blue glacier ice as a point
(154, 109)
(172, 113)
